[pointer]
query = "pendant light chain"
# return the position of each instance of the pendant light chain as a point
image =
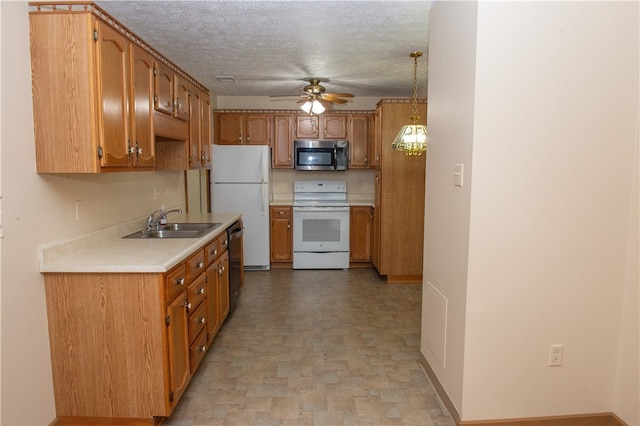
(414, 115)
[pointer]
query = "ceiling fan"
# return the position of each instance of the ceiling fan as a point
(314, 93)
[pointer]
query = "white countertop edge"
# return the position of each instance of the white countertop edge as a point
(106, 251)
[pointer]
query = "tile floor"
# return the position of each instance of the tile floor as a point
(322, 347)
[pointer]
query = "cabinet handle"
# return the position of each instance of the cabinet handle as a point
(202, 320)
(201, 291)
(179, 281)
(221, 270)
(203, 348)
(199, 265)
(213, 252)
(139, 150)
(187, 305)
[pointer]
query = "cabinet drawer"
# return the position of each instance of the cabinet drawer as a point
(197, 351)
(283, 212)
(195, 265)
(197, 322)
(197, 291)
(175, 281)
(223, 243)
(211, 251)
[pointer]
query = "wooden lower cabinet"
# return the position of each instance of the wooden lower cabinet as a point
(281, 234)
(360, 234)
(124, 346)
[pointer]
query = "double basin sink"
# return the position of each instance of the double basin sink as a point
(176, 230)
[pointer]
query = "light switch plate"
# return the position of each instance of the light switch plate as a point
(458, 172)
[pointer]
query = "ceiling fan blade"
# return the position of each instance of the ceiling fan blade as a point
(341, 95)
(335, 100)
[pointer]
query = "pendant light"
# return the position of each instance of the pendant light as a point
(412, 138)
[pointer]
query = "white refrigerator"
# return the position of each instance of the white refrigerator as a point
(240, 183)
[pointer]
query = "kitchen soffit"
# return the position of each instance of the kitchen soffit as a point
(273, 47)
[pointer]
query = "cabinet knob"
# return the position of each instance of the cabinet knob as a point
(213, 252)
(288, 226)
(199, 265)
(187, 305)
(203, 348)
(202, 320)
(179, 281)
(201, 291)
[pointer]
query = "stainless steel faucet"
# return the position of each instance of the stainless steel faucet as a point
(153, 224)
(163, 215)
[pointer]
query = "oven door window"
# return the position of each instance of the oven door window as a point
(320, 231)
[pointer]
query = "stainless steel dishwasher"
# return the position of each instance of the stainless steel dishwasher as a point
(236, 263)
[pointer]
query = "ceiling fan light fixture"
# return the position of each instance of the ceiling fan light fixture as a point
(313, 107)
(412, 138)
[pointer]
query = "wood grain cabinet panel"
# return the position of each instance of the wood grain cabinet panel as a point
(102, 98)
(281, 234)
(399, 204)
(124, 346)
(360, 230)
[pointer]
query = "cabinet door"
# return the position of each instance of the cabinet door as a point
(307, 127)
(213, 301)
(376, 147)
(360, 234)
(195, 127)
(164, 88)
(223, 286)
(257, 129)
(142, 111)
(205, 136)
(178, 340)
(334, 126)
(281, 236)
(229, 129)
(359, 141)
(113, 77)
(377, 222)
(181, 98)
(283, 141)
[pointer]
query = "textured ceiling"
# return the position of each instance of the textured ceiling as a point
(272, 47)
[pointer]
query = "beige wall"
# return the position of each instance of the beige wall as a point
(549, 206)
(37, 209)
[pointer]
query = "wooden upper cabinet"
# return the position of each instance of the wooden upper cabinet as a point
(172, 92)
(113, 78)
(205, 137)
(164, 88)
(195, 127)
(96, 105)
(282, 141)
(324, 126)
(199, 128)
(143, 140)
(181, 101)
(257, 129)
(359, 140)
(243, 128)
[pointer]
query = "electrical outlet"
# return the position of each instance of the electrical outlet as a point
(79, 210)
(555, 355)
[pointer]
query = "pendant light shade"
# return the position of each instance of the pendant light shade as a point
(412, 138)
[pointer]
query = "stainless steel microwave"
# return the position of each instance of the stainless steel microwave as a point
(321, 155)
